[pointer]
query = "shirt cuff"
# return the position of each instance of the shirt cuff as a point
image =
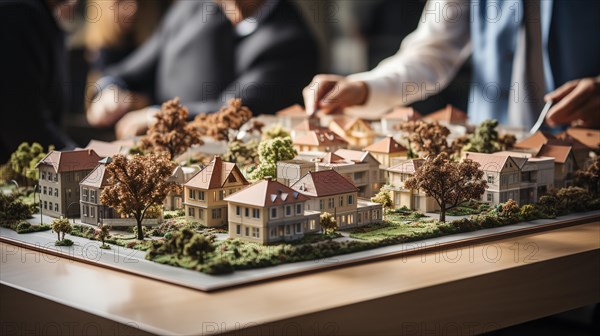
(378, 102)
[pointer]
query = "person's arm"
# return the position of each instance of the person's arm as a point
(25, 68)
(426, 62)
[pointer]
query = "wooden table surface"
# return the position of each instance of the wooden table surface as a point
(466, 290)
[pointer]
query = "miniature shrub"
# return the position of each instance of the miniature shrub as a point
(328, 223)
(216, 266)
(23, 227)
(13, 209)
(509, 209)
(528, 212)
(168, 216)
(574, 199)
(145, 230)
(64, 242)
(166, 227)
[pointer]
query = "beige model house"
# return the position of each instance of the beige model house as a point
(386, 151)
(291, 116)
(268, 211)
(564, 163)
(306, 126)
(356, 131)
(399, 115)
(329, 191)
(403, 197)
(60, 174)
(174, 201)
(320, 140)
(510, 176)
(205, 192)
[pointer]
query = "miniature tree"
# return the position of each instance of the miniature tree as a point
(137, 184)
(510, 209)
(102, 233)
(449, 182)
(507, 141)
(328, 223)
(61, 226)
(198, 246)
(573, 199)
(383, 197)
(242, 154)
(275, 131)
(25, 158)
(590, 177)
(426, 139)
(12, 209)
(485, 138)
(269, 153)
(171, 134)
(225, 124)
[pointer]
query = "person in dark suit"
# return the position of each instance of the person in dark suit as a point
(207, 52)
(33, 65)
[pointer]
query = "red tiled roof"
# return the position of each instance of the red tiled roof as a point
(324, 183)
(97, 178)
(215, 175)
(332, 158)
(535, 141)
(387, 146)
(77, 160)
(559, 153)
(320, 138)
(266, 193)
(403, 114)
(589, 137)
(104, 149)
(490, 162)
(449, 114)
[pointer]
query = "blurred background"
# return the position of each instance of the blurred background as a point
(354, 36)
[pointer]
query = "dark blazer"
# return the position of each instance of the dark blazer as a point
(33, 63)
(196, 56)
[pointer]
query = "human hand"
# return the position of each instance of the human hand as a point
(577, 103)
(332, 93)
(135, 123)
(110, 105)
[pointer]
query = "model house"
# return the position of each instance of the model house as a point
(106, 149)
(403, 197)
(360, 167)
(564, 163)
(356, 131)
(386, 151)
(60, 174)
(268, 211)
(320, 140)
(291, 116)
(174, 201)
(589, 137)
(449, 115)
(329, 191)
(306, 126)
(391, 121)
(519, 178)
(534, 143)
(205, 192)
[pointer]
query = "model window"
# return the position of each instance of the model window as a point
(200, 213)
(321, 205)
(45, 190)
(49, 176)
(56, 207)
(55, 192)
(489, 197)
(191, 212)
(92, 212)
(287, 230)
(216, 213)
(247, 212)
(85, 194)
(93, 195)
(192, 194)
(50, 205)
(255, 213)
(55, 177)
(341, 201)
(298, 228)
(350, 199)
(84, 210)
(288, 210)
(273, 232)
(273, 212)
(298, 209)
(238, 229)
(247, 231)
(221, 195)
(201, 196)
(43, 175)
(331, 203)
(238, 210)
(256, 232)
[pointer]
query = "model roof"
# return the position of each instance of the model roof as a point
(97, 178)
(332, 158)
(216, 175)
(494, 162)
(292, 111)
(559, 153)
(320, 138)
(324, 183)
(265, 193)
(535, 141)
(449, 114)
(387, 146)
(346, 122)
(407, 166)
(403, 114)
(589, 137)
(76, 160)
(354, 155)
(309, 125)
(103, 148)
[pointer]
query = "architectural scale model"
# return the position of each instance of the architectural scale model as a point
(310, 188)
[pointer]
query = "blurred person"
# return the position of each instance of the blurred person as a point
(33, 65)
(206, 52)
(523, 54)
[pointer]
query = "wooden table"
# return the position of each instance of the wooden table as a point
(467, 290)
